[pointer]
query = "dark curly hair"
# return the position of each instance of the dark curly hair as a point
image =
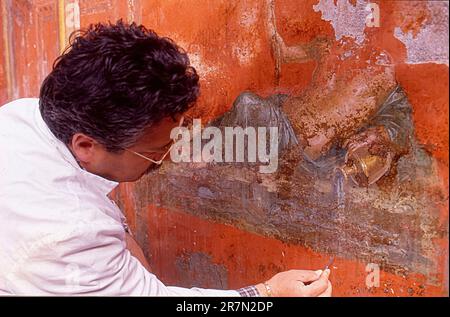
(115, 80)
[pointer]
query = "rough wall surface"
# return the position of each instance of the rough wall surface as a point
(226, 227)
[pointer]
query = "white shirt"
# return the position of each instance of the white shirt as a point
(59, 232)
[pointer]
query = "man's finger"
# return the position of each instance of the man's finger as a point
(307, 276)
(318, 287)
(328, 291)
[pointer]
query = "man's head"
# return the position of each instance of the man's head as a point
(118, 87)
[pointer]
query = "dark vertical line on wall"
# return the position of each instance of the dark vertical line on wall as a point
(274, 39)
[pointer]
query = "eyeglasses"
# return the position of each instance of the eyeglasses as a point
(161, 160)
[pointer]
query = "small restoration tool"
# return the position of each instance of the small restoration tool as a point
(330, 261)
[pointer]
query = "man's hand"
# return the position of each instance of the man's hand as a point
(300, 283)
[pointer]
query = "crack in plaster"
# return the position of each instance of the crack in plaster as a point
(347, 20)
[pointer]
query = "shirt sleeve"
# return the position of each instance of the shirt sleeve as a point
(91, 260)
(249, 291)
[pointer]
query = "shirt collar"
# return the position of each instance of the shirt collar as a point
(102, 184)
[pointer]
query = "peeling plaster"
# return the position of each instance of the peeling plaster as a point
(245, 53)
(249, 18)
(431, 44)
(346, 19)
(204, 69)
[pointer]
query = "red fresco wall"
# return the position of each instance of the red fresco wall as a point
(229, 43)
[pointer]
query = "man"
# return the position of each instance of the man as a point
(104, 116)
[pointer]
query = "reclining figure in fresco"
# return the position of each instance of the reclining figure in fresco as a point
(326, 140)
(351, 109)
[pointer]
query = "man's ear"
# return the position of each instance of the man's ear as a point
(83, 147)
